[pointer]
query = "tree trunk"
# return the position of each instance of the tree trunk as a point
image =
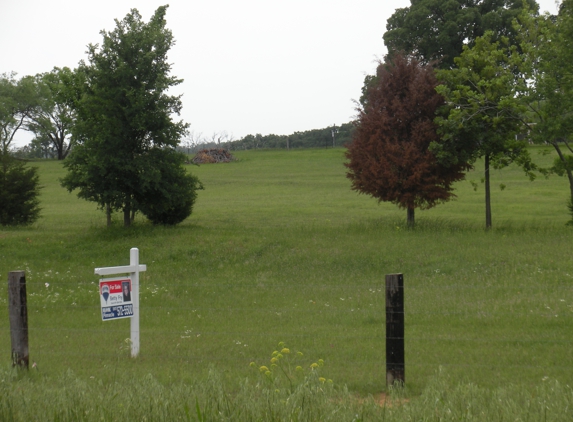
(108, 214)
(410, 221)
(564, 161)
(133, 215)
(487, 195)
(569, 176)
(126, 217)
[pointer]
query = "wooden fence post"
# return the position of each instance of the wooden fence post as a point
(18, 311)
(395, 365)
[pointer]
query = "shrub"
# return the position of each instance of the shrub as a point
(19, 190)
(169, 196)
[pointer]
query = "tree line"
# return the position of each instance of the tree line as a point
(462, 81)
(329, 137)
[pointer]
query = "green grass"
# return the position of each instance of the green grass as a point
(280, 249)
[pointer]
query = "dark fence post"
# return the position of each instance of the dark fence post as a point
(18, 311)
(395, 366)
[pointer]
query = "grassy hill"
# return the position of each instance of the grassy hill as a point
(278, 248)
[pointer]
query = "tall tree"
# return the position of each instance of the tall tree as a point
(17, 98)
(485, 114)
(546, 42)
(53, 117)
(124, 117)
(389, 157)
(437, 30)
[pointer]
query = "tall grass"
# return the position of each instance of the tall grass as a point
(279, 249)
(71, 399)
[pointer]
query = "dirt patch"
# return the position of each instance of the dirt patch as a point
(385, 400)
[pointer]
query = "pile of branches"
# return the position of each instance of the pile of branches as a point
(213, 155)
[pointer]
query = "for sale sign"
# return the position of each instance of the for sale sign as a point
(115, 298)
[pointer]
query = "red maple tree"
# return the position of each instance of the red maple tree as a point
(389, 156)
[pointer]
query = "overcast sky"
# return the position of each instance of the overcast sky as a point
(249, 66)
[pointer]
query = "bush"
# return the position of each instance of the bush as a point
(19, 190)
(169, 197)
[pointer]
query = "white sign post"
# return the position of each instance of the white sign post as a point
(134, 268)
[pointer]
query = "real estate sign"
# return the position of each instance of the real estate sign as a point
(115, 298)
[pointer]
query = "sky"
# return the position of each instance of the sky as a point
(249, 66)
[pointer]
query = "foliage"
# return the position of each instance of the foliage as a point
(437, 30)
(53, 117)
(17, 98)
(546, 42)
(19, 191)
(316, 138)
(389, 157)
(170, 192)
(70, 397)
(485, 114)
(124, 119)
(287, 371)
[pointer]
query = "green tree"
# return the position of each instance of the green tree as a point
(53, 117)
(486, 114)
(389, 157)
(437, 30)
(546, 42)
(124, 119)
(17, 98)
(19, 191)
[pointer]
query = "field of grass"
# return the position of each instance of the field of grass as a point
(280, 249)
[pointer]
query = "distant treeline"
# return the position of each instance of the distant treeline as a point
(316, 138)
(333, 136)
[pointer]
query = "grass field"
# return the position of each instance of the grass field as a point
(280, 249)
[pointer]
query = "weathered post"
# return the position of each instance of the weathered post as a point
(395, 365)
(18, 313)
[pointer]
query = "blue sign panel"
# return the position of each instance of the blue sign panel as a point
(119, 311)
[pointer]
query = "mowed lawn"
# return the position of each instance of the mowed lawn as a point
(279, 248)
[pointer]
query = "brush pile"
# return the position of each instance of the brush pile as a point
(213, 155)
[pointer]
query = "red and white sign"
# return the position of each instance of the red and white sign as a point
(115, 298)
